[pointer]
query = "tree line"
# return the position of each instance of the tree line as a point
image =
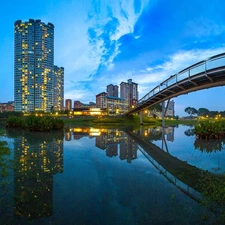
(203, 112)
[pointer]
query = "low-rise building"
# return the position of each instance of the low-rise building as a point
(7, 107)
(114, 104)
(89, 112)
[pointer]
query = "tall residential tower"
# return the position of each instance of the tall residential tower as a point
(129, 91)
(36, 80)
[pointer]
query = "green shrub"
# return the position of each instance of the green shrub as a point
(14, 122)
(34, 123)
(210, 129)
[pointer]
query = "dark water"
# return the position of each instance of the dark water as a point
(109, 176)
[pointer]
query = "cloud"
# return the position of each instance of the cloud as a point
(149, 77)
(90, 46)
(114, 41)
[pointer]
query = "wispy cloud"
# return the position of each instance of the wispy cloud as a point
(149, 77)
(90, 46)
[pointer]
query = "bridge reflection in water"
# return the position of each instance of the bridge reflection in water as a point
(39, 157)
(184, 176)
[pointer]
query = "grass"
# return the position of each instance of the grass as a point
(122, 121)
(115, 121)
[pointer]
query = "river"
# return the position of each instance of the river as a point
(111, 176)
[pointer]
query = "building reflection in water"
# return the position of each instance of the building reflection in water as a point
(37, 158)
(155, 134)
(114, 141)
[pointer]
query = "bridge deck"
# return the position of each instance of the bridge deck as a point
(205, 74)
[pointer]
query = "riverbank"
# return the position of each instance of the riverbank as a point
(113, 121)
(122, 121)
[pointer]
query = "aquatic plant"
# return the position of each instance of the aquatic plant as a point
(213, 194)
(210, 129)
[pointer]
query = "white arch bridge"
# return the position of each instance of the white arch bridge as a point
(204, 74)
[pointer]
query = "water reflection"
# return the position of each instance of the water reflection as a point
(189, 132)
(205, 145)
(37, 158)
(113, 141)
(209, 145)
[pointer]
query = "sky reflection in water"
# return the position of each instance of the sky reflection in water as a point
(104, 179)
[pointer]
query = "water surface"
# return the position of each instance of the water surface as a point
(92, 176)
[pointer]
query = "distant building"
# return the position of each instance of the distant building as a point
(170, 110)
(101, 100)
(129, 92)
(113, 104)
(38, 85)
(78, 104)
(112, 90)
(58, 94)
(89, 112)
(68, 104)
(92, 104)
(7, 107)
(116, 105)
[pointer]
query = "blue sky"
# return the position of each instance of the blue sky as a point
(106, 42)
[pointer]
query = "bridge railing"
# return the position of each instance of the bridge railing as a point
(200, 67)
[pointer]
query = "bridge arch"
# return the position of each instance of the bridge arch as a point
(202, 75)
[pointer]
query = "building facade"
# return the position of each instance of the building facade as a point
(101, 100)
(129, 92)
(7, 106)
(114, 105)
(58, 88)
(34, 74)
(171, 109)
(78, 104)
(68, 104)
(112, 90)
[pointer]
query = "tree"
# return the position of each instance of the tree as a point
(155, 108)
(191, 111)
(203, 112)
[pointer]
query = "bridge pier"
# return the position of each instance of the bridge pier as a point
(163, 114)
(141, 117)
(164, 109)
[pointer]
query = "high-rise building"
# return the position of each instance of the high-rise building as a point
(58, 88)
(68, 104)
(34, 74)
(129, 91)
(170, 110)
(112, 90)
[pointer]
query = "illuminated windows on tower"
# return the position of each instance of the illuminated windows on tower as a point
(38, 84)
